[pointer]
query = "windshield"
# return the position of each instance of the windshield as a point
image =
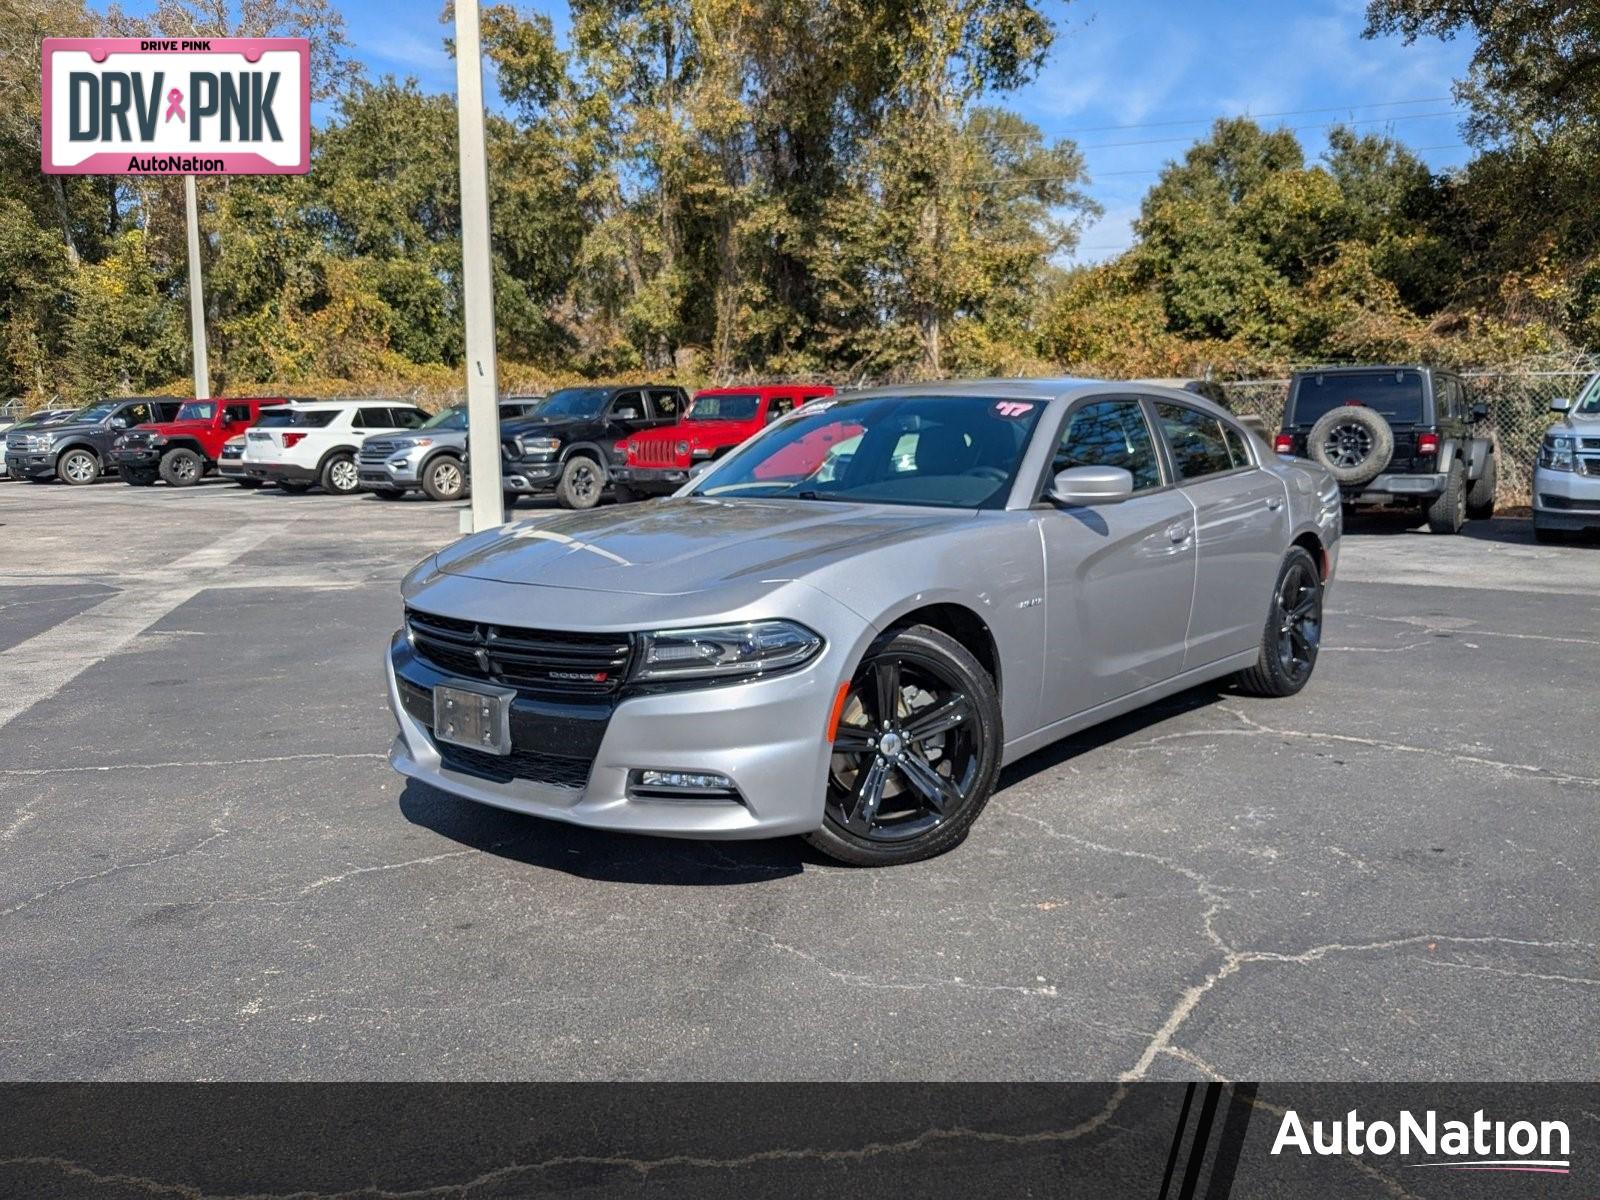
(283, 418)
(198, 410)
(1589, 399)
(724, 408)
(98, 412)
(449, 419)
(575, 402)
(945, 451)
(1397, 395)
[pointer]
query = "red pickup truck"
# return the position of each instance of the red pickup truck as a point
(183, 449)
(658, 461)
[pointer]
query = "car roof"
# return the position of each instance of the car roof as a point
(1368, 368)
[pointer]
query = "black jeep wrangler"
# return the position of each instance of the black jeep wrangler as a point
(570, 443)
(1402, 435)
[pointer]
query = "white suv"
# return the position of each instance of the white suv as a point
(298, 445)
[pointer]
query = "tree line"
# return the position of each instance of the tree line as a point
(724, 189)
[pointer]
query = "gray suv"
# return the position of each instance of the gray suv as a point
(79, 451)
(1566, 479)
(431, 458)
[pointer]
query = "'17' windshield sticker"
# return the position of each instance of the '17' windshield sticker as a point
(1012, 408)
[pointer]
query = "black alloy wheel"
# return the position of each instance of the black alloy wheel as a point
(1294, 630)
(916, 752)
(582, 482)
(1348, 445)
(182, 468)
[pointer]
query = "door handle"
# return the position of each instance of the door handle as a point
(1275, 503)
(1178, 532)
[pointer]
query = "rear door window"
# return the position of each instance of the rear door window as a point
(1238, 447)
(1195, 439)
(1395, 395)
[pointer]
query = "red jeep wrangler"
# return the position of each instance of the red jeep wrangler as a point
(183, 449)
(658, 461)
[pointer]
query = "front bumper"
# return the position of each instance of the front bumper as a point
(1387, 488)
(279, 472)
(231, 468)
(30, 464)
(767, 736)
(530, 476)
(1565, 500)
(387, 475)
(147, 457)
(654, 480)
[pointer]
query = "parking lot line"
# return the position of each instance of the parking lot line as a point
(41, 666)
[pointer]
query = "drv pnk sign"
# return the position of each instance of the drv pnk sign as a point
(169, 106)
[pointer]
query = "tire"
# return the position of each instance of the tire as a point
(78, 467)
(444, 478)
(139, 477)
(1448, 511)
(1480, 495)
(294, 486)
(1293, 632)
(1352, 442)
(182, 468)
(582, 482)
(339, 475)
(889, 799)
(623, 494)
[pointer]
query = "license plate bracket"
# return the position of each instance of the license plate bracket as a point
(478, 718)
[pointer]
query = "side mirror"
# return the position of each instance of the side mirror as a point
(1480, 412)
(119, 422)
(1091, 485)
(1561, 404)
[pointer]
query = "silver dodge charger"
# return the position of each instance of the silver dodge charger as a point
(845, 628)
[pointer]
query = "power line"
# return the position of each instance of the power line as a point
(1295, 112)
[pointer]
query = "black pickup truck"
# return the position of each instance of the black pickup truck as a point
(570, 445)
(79, 451)
(1401, 435)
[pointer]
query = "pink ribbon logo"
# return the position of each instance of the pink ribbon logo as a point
(175, 105)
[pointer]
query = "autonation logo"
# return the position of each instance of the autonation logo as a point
(1478, 1145)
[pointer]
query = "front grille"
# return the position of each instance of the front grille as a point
(1567, 503)
(375, 452)
(548, 769)
(1589, 443)
(539, 661)
(654, 452)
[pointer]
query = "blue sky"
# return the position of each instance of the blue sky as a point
(1134, 81)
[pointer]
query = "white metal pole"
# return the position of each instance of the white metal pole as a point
(197, 300)
(477, 277)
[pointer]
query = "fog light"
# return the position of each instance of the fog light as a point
(682, 785)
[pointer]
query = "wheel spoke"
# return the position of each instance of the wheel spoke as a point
(940, 718)
(939, 792)
(867, 795)
(854, 739)
(886, 680)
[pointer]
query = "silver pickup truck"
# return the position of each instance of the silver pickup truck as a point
(429, 458)
(1566, 479)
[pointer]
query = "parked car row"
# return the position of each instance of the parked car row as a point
(1396, 436)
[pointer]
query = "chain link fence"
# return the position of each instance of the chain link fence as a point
(1519, 410)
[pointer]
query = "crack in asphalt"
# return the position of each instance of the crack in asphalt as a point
(640, 1166)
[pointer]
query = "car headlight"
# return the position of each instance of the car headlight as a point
(538, 445)
(681, 449)
(1557, 453)
(721, 651)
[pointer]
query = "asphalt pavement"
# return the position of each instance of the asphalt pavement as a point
(208, 871)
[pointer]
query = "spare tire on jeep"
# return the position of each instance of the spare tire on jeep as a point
(1353, 442)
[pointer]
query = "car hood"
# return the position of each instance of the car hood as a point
(1585, 423)
(696, 544)
(542, 424)
(71, 428)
